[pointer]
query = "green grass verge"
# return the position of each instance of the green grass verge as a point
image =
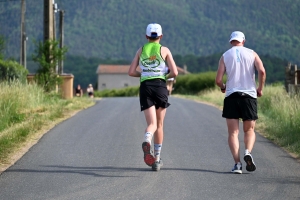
(26, 110)
(279, 115)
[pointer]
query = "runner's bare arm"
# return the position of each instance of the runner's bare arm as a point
(170, 62)
(220, 74)
(261, 74)
(134, 64)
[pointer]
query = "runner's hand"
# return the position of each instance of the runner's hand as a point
(223, 89)
(259, 93)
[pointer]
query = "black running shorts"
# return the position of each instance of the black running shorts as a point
(153, 92)
(240, 105)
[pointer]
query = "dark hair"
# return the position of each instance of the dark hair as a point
(153, 36)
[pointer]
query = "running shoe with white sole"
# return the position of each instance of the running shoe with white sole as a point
(148, 157)
(237, 169)
(250, 162)
(157, 165)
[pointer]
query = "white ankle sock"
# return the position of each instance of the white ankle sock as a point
(148, 137)
(157, 150)
(247, 151)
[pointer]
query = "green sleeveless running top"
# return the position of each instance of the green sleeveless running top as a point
(151, 63)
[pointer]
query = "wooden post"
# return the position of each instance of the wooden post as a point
(287, 77)
(48, 25)
(185, 69)
(295, 75)
(23, 35)
(48, 20)
(61, 42)
(54, 5)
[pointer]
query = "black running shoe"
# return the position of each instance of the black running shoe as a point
(148, 157)
(250, 163)
(157, 165)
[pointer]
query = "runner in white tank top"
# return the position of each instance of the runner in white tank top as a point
(240, 71)
(239, 64)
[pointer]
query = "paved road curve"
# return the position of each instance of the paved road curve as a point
(97, 154)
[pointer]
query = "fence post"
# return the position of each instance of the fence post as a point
(295, 75)
(287, 77)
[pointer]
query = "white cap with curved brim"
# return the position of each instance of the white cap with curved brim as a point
(154, 30)
(238, 36)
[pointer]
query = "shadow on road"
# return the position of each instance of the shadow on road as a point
(95, 170)
(111, 171)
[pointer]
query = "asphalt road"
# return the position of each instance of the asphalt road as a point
(97, 154)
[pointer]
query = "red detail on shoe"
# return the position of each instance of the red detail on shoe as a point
(148, 157)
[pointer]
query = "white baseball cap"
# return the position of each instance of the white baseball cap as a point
(237, 35)
(154, 30)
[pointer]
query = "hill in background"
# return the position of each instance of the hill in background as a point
(116, 28)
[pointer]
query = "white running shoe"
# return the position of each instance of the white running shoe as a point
(237, 168)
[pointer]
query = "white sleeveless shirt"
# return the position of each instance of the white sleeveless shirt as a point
(240, 71)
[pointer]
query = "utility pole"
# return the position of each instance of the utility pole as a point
(54, 20)
(54, 28)
(23, 35)
(48, 20)
(61, 42)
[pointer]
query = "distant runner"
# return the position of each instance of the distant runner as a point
(153, 91)
(170, 83)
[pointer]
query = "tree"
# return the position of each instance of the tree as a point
(47, 55)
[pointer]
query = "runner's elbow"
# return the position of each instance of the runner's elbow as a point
(130, 73)
(176, 73)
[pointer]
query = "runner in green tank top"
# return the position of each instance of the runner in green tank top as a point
(151, 63)
(151, 60)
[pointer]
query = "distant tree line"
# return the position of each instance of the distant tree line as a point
(274, 66)
(115, 29)
(84, 69)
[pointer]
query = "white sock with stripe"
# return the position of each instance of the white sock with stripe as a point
(157, 150)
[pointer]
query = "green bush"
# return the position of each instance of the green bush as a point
(194, 83)
(185, 84)
(11, 70)
(126, 92)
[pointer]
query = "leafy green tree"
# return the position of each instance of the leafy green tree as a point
(48, 55)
